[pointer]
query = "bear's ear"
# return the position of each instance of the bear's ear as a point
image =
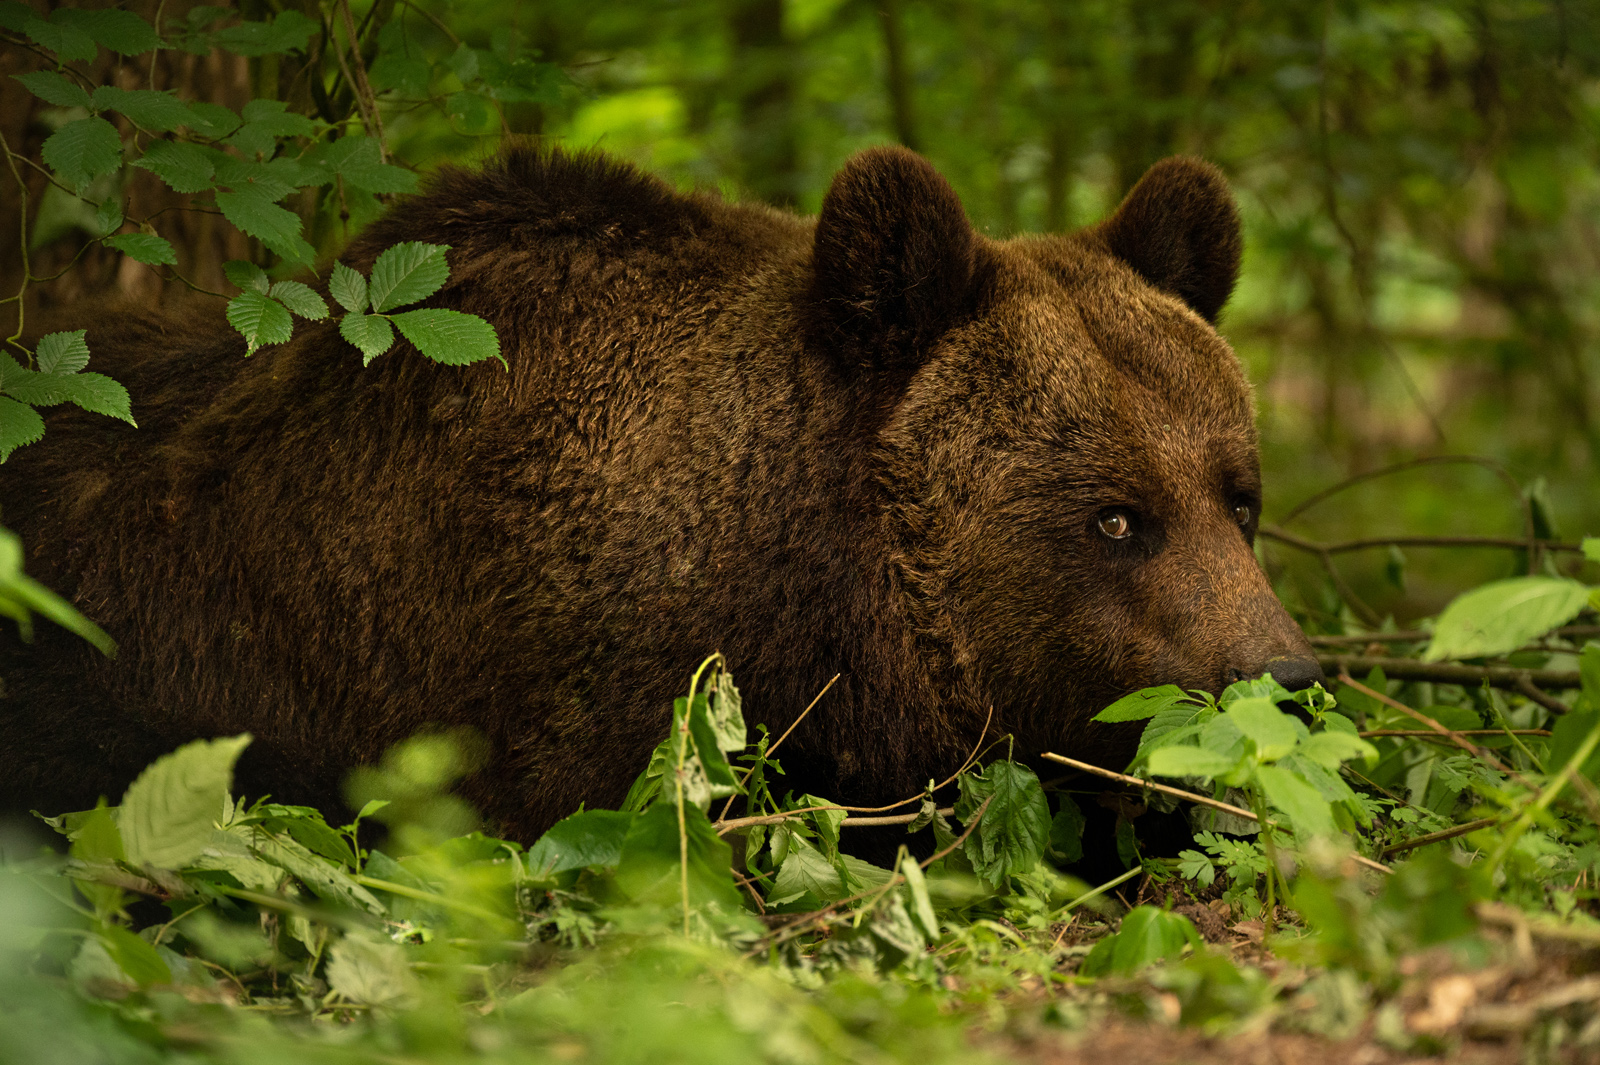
(1179, 229)
(894, 257)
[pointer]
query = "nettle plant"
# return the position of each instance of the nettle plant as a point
(325, 152)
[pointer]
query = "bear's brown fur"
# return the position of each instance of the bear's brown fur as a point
(878, 444)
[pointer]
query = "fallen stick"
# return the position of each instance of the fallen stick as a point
(1455, 737)
(1507, 677)
(1189, 796)
(1440, 836)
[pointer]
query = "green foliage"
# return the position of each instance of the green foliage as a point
(21, 597)
(1147, 936)
(1500, 617)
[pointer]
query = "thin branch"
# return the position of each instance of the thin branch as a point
(1188, 796)
(365, 97)
(748, 773)
(1289, 539)
(1440, 836)
(1506, 677)
(1566, 632)
(1455, 737)
(1415, 733)
(1434, 460)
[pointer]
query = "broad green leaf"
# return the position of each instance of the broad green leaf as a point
(921, 904)
(1066, 832)
(97, 840)
(169, 812)
(805, 870)
(1270, 729)
(1263, 687)
(97, 394)
(54, 88)
(1331, 748)
(145, 248)
(83, 150)
(325, 879)
(184, 167)
(826, 823)
(122, 32)
(246, 275)
(19, 424)
(447, 336)
(70, 43)
(405, 74)
(1188, 762)
(1142, 704)
(1015, 829)
(1591, 548)
(300, 299)
(149, 109)
(108, 216)
(1308, 812)
(1500, 617)
(725, 711)
(135, 957)
(288, 32)
(590, 838)
(213, 120)
(349, 288)
(259, 319)
(255, 213)
(407, 273)
(368, 332)
(650, 870)
(1169, 723)
(1147, 935)
(306, 826)
(62, 352)
(357, 160)
(369, 972)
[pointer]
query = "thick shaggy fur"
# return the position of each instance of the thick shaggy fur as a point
(877, 444)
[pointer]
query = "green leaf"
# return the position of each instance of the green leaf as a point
(592, 838)
(806, 871)
(259, 319)
(70, 43)
(450, 337)
(325, 879)
(1015, 828)
(1142, 704)
(1148, 935)
(145, 248)
(122, 32)
(349, 288)
(149, 109)
(246, 275)
(1591, 548)
(97, 394)
(255, 213)
(368, 332)
(62, 352)
(1331, 748)
(1308, 812)
(370, 973)
(358, 161)
(184, 167)
(300, 299)
(1179, 761)
(108, 216)
(1170, 724)
(407, 273)
(83, 150)
(650, 871)
(1500, 617)
(288, 32)
(1066, 832)
(407, 75)
(169, 812)
(20, 594)
(921, 904)
(54, 88)
(1271, 729)
(213, 120)
(135, 957)
(19, 424)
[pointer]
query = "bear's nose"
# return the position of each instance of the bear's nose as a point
(1294, 672)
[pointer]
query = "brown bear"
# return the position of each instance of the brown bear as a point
(964, 474)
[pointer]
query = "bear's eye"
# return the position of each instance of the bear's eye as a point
(1241, 513)
(1116, 524)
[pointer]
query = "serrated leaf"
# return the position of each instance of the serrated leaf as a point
(1270, 729)
(169, 812)
(259, 319)
(83, 150)
(135, 957)
(592, 838)
(300, 299)
(254, 213)
(54, 88)
(651, 869)
(95, 393)
(108, 216)
(213, 120)
(1170, 724)
(66, 352)
(325, 879)
(368, 332)
(246, 275)
(349, 288)
(1147, 935)
(1015, 828)
(122, 32)
(288, 32)
(407, 273)
(1142, 704)
(1308, 812)
(370, 973)
(149, 109)
(359, 162)
(1499, 617)
(806, 870)
(69, 43)
(1331, 748)
(450, 337)
(19, 424)
(145, 248)
(184, 167)
(1181, 761)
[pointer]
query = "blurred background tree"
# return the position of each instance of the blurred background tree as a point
(1418, 182)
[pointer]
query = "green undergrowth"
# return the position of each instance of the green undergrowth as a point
(719, 916)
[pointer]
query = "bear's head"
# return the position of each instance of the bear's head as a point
(1066, 447)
